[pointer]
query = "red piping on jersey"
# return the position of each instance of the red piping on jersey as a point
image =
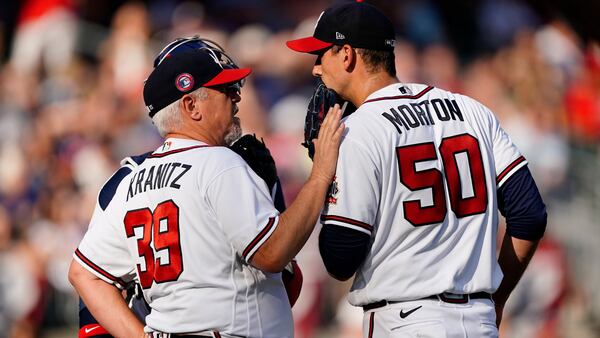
(259, 237)
(423, 92)
(99, 269)
(346, 220)
(216, 334)
(175, 151)
(371, 324)
(509, 168)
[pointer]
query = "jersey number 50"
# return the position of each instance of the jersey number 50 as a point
(162, 226)
(409, 156)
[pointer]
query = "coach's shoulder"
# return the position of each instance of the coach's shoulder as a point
(224, 154)
(109, 189)
(220, 158)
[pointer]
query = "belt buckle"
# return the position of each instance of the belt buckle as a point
(453, 298)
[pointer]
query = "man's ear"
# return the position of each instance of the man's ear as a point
(191, 107)
(349, 54)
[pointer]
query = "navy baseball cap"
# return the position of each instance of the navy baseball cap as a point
(357, 24)
(185, 71)
(192, 42)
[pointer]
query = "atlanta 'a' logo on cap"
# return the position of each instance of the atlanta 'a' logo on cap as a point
(184, 82)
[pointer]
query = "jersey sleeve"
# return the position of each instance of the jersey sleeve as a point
(103, 251)
(244, 209)
(520, 202)
(507, 157)
(354, 194)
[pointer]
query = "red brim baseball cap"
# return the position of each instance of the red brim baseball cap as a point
(228, 76)
(355, 23)
(184, 72)
(308, 45)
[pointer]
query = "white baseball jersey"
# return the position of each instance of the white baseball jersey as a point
(186, 222)
(418, 171)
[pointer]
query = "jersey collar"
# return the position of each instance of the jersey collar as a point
(173, 143)
(397, 88)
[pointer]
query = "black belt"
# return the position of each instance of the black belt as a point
(444, 297)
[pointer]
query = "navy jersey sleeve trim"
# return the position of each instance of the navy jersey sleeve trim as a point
(135, 161)
(343, 250)
(139, 159)
(519, 201)
(110, 187)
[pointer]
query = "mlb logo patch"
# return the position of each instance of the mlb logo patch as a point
(184, 82)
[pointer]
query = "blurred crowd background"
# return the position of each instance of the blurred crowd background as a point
(71, 78)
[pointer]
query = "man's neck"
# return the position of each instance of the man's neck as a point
(364, 86)
(191, 136)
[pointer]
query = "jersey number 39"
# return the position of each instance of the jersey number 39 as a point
(160, 232)
(409, 156)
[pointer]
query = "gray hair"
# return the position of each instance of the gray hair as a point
(169, 118)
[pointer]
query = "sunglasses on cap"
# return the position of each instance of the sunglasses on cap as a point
(230, 88)
(195, 42)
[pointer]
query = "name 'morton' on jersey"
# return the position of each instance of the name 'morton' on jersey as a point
(419, 114)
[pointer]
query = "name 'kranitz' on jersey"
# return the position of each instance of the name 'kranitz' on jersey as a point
(431, 162)
(185, 224)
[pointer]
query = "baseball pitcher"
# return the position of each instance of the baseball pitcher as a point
(422, 172)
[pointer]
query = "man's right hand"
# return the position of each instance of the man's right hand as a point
(298, 221)
(327, 145)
